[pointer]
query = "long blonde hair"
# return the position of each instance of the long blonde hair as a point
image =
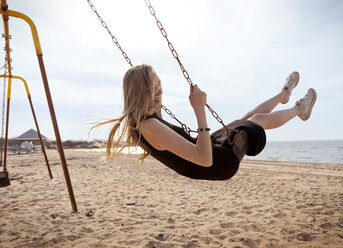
(139, 102)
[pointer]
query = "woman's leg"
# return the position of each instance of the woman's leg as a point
(267, 106)
(277, 118)
(302, 108)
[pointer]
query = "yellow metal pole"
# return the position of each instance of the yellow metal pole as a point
(30, 22)
(20, 78)
(5, 12)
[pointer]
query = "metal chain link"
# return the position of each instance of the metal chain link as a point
(184, 71)
(170, 45)
(183, 126)
(3, 108)
(103, 23)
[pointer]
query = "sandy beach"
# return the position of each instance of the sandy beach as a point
(125, 204)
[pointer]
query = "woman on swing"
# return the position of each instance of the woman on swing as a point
(208, 156)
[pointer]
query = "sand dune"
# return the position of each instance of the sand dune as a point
(125, 204)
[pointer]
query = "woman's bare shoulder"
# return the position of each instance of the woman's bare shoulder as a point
(150, 124)
(153, 130)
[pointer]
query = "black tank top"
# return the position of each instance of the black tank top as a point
(225, 163)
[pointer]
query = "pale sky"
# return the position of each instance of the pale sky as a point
(239, 52)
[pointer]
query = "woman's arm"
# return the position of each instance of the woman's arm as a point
(162, 137)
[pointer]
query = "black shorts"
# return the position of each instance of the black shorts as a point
(256, 135)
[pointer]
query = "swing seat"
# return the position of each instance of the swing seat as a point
(4, 179)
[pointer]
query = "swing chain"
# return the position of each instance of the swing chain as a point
(215, 115)
(3, 110)
(183, 126)
(114, 39)
(170, 45)
(176, 56)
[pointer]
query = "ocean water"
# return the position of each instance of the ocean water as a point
(327, 151)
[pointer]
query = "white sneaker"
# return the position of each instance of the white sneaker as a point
(308, 102)
(291, 82)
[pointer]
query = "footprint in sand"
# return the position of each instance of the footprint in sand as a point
(248, 242)
(231, 213)
(227, 225)
(327, 225)
(305, 237)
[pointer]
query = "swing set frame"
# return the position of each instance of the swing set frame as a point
(10, 77)
(6, 13)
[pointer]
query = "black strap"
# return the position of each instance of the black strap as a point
(240, 144)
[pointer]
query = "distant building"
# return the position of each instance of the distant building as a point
(28, 139)
(30, 135)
